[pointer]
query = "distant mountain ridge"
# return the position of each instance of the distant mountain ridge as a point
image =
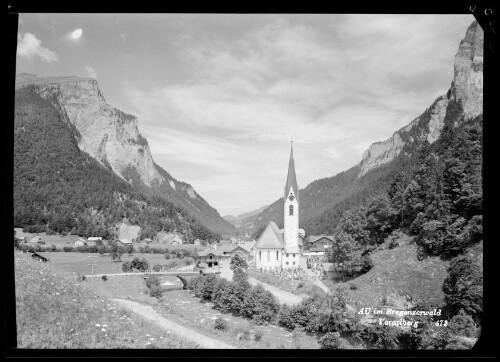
(112, 138)
(323, 201)
(239, 221)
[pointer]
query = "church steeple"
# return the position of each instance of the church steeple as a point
(291, 179)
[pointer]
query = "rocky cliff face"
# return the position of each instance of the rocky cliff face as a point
(113, 139)
(467, 87)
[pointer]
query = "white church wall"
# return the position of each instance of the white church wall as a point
(267, 258)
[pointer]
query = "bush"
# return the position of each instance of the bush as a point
(221, 325)
(104, 277)
(155, 292)
(157, 268)
(393, 244)
(257, 336)
(53, 247)
(330, 341)
(353, 286)
(462, 325)
(152, 281)
(68, 248)
(259, 305)
(127, 267)
(286, 318)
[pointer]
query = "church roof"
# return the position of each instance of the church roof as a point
(291, 179)
(271, 238)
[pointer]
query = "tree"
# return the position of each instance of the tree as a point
(260, 305)
(354, 223)
(463, 288)
(381, 218)
(116, 251)
(237, 263)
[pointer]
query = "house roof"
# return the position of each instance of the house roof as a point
(314, 238)
(249, 245)
(271, 238)
(291, 179)
(240, 247)
(125, 241)
(227, 248)
(208, 252)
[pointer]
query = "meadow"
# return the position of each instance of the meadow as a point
(54, 310)
(79, 262)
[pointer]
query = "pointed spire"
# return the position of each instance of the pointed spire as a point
(291, 179)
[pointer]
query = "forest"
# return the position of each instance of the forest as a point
(60, 189)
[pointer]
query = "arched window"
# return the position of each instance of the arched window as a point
(291, 209)
(260, 255)
(277, 255)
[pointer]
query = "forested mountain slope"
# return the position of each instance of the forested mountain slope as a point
(60, 188)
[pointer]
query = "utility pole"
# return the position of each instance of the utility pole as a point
(92, 262)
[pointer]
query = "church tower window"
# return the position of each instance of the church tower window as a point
(268, 256)
(260, 255)
(291, 209)
(277, 255)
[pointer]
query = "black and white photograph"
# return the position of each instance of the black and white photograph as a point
(262, 181)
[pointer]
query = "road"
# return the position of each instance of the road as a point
(182, 273)
(148, 312)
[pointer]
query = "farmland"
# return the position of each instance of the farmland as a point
(78, 262)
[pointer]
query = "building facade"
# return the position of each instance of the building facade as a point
(281, 248)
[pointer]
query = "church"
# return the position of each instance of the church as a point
(276, 248)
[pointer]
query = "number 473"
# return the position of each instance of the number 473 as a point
(441, 323)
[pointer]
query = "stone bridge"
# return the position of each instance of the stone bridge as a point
(179, 274)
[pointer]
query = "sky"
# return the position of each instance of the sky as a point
(219, 97)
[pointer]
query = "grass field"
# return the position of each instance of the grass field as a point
(79, 262)
(53, 310)
(398, 271)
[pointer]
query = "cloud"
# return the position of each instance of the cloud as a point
(333, 89)
(91, 72)
(29, 46)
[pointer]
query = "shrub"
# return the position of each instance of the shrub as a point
(127, 267)
(53, 247)
(152, 281)
(330, 341)
(353, 286)
(155, 291)
(393, 244)
(462, 324)
(260, 305)
(286, 318)
(257, 336)
(104, 277)
(68, 248)
(157, 268)
(221, 325)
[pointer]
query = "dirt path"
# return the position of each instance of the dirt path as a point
(148, 312)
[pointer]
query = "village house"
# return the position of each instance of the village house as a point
(125, 242)
(320, 242)
(37, 240)
(210, 257)
(80, 242)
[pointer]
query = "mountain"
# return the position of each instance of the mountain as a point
(323, 201)
(112, 138)
(240, 220)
